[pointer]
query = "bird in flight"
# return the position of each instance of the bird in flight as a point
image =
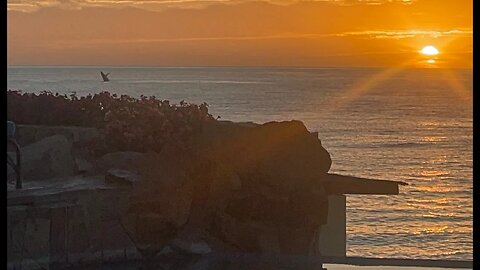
(105, 76)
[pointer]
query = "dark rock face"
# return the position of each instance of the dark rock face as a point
(48, 158)
(253, 188)
(278, 152)
(232, 187)
(48, 151)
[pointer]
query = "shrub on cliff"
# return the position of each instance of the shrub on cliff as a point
(129, 123)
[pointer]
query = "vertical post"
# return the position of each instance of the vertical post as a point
(19, 167)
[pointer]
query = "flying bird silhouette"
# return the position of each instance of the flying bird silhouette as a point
(105, 76)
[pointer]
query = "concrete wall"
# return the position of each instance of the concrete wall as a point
(80, 228)
(333, 235)
(87, 229)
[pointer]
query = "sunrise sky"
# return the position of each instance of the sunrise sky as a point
(324, 33)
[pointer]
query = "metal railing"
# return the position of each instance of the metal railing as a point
(16, 165)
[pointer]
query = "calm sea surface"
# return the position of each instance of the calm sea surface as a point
(408, 125)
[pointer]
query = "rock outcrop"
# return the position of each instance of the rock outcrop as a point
(253, 188)
(48, 158)
(240, 187)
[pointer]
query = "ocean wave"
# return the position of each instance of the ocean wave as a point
(402, 144)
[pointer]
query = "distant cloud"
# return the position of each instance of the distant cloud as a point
(31, 6)
(400, 34)
(156, 5)
(392, 34)
(90, 42)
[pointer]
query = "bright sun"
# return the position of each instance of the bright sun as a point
(429, 50)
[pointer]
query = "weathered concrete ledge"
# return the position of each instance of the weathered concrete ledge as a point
(72, 221)
(76, 222)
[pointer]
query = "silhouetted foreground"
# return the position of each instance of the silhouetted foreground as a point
(217, 187)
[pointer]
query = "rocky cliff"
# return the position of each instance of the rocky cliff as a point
(244, 187)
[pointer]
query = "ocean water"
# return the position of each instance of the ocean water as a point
(412, 125)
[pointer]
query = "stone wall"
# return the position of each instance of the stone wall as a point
(86, 228)
(82, 227)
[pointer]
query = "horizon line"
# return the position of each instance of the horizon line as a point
(230, 66)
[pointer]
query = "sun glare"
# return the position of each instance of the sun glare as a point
(429, 50)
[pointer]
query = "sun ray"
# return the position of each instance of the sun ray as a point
(366, 85)
(455, 84)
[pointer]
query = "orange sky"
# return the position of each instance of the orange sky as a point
(232, 32)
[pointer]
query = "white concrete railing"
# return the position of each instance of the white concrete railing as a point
(333, 235)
